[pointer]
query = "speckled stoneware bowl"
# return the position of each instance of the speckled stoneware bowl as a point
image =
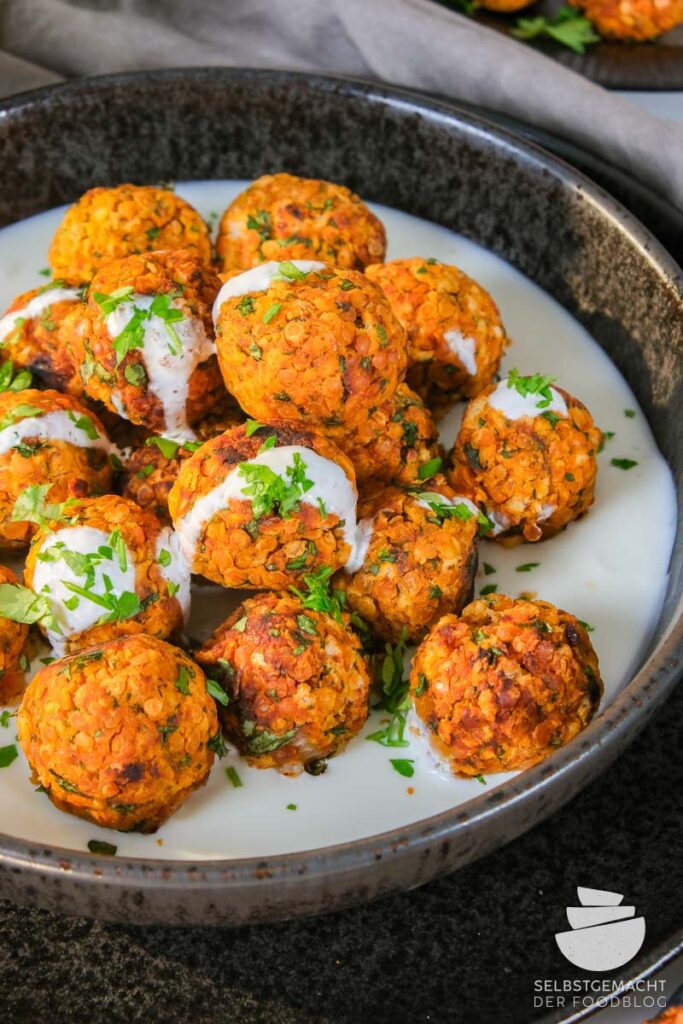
(434, 161)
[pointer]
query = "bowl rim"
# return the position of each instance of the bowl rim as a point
(577, 763)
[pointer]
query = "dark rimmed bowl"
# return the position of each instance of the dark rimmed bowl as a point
(436, 162)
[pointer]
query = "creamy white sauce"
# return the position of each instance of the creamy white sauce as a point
(259, 279)
(37, 305)
(609, 569)
(168, 370)
(53, 426)
(515, 406)
(464, 348)
(177, 571)
(50, 579)
(359, 549)
(331, 486)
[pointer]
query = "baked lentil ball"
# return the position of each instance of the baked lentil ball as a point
(109, 223)
(282, 217)
(32, 335)
(420, 562)
(121, 733)
(259, 506)
(296, 679)
(393, 442)
(527, 458)
(300, 341)
(632, 20)
(49, 441)
(153, 465)
(13, 636)
(107, 568)
(145, 343)
(454, 331)
(503, 685)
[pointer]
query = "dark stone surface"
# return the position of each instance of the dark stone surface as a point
(464, 949)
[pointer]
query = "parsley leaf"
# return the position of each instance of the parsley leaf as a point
(568, 26)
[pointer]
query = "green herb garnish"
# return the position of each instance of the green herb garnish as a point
(404, 766)
(568, 26)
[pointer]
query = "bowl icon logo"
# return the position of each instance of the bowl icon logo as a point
(604, 934)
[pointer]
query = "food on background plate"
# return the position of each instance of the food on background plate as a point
(109, 223)
(632, 20)
(526, 455)
(261, 505)
(33, 335)
(13, 637)
(121, 733)
(420, 561)
(282, 217)
(52, 444)
(104, 568)
(501, 686)
(303, 342)
(454, 333)
(394, 442)
(153, 464)
(144, 341)
(296, 680)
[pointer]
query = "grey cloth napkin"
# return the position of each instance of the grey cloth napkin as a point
(408, 42)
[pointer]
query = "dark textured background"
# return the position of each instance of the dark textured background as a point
(463, 949)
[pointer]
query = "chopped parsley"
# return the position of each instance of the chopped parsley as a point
(266, 741)
(182, 683)
(488, 569)
(404, 766)
(216, 691)
(490, 588)
(271, 313)
(429, 469)
(8, 754)
(20, 412)
(629, 413)
(394, 694)
(261, 223)
(623, 463)
(9, 381)
(108, 303)
(319, 597)
(101, 847)
(291, 807)
(245, 307)
(536, 384)
(270, 492)
(19, 604)
(528, 566)
(31, 507)
(568, 26)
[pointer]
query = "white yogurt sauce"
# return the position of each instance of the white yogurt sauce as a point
(464, 348)
(259, 279)
(609, 569)
(515, 406)
(50, 578)
(37, 305)
(168, 371)
(177, 571)
(53, 426)
(330, 486)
